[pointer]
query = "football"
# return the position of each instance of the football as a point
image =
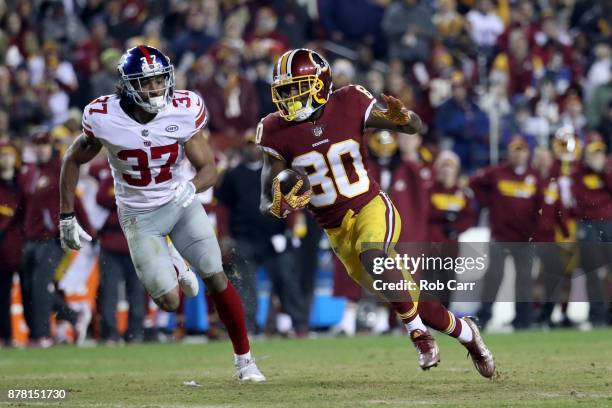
(288, 179)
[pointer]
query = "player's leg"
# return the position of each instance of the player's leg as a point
(363, 239)
(377, 229)
(415, 309)
(188, 281)
(194, 237)
(145, 234)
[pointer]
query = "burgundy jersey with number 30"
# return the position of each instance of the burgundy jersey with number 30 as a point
(331, 150)
(145, 158)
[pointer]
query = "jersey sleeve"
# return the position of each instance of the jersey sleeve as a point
(197, 113)
(360, 101)
(87, 122)
(265, 139)
(94, 116)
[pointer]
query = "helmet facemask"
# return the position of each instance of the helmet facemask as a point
(297, 98)
(154, 102)
(566, 145)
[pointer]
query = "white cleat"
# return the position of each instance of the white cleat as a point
(248, 371)
(187, 279)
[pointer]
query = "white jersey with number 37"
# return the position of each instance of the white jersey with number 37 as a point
(145, 158)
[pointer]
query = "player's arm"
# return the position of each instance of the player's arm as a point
(395, 118)
(272, 201)
(202, 158)
(271, 167)
(82, 150)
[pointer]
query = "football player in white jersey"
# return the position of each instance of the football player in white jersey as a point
(148, 128)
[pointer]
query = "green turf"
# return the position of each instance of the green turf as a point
(554, 369)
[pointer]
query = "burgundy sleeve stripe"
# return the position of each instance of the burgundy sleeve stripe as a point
(200, 112)
(86, 125)
(201, 119)
(88, 132)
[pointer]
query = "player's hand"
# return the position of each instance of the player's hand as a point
(71, 233)
(396, 111)
(184, 194)
(283, 205)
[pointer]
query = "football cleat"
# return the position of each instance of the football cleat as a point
(479, 352)
(247, 371)
(187, 279)
(428, 352)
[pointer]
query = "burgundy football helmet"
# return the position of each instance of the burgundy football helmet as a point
(566, 145)
(301, 84)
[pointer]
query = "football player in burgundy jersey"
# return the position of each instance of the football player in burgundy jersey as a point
(147, 129)
(321, 131)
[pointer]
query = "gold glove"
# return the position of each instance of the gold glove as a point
(283, 205)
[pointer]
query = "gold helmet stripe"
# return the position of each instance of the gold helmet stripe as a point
(283, 63)
(290, 60)
(279, 64)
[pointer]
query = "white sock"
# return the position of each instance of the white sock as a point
(415, 324)
(382, 320)
(348, 324)
(466, 334)
(283, 323)
(242, 358)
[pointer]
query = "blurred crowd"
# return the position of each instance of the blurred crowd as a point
(514, 93)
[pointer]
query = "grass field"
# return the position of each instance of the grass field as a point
(554, 369)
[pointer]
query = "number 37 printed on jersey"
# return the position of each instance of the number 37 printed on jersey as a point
(140, 156)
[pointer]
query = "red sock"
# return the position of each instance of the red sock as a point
(231, 313)
(436, 316)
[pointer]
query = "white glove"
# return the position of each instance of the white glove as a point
(71, 233)
(184, 193)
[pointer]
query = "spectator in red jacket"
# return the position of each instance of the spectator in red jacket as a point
(11, 236)
(511, 192)
(567, 149)
(42, 251)
(411, 180)
(553, 217)
(116, 266)
(592, 189)
(230, 97)
(451, 211)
